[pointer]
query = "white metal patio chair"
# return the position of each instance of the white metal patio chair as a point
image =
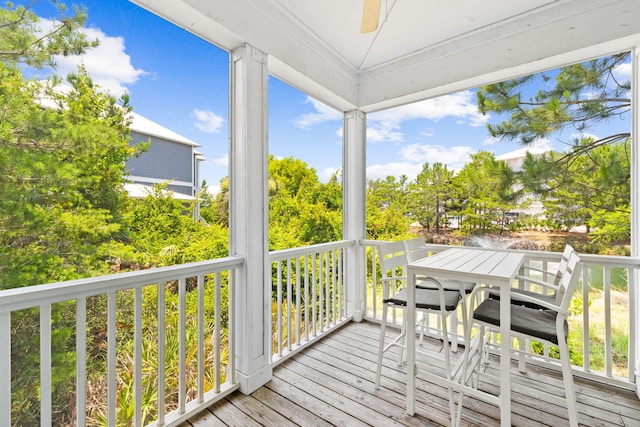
(550, 291)
(393, 261)
(547, 324)
(416, 249)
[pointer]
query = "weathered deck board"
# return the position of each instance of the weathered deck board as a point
(332, 383)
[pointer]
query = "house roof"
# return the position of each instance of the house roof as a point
(148, 127)
(521, 153)
(421, 48)
(140, 191)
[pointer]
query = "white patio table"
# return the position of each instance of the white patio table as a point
(481, 266)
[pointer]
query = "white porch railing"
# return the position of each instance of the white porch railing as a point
(308, 295)
(602, 327)
(184, 368)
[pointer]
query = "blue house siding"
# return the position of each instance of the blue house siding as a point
(164, 160)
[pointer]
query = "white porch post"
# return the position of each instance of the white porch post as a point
(634, 277)
(353, 207)
(248, 214)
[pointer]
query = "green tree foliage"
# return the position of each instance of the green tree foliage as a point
(581, 95)
(302, 210)
(592, 189)
(587, 184)
(62, 186)
(387, 208)
(429, 194)
(24, 41)
(485, 191)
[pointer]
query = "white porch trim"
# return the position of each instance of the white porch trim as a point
(248, 214)
(354, 184)
(634, 277)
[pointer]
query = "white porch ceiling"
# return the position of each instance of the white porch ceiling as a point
(421, 49)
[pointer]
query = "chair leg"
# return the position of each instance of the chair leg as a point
(447, 359)
(383, 328)
(567, 378)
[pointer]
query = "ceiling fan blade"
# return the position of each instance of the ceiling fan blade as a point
(370, 16)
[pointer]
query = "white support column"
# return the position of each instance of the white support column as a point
(634, 276)
(248, 214)
(354, 184)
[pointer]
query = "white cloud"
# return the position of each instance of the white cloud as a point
(326, 174)
(222, 160)
(411, 170)
(108, 65)
(323, 113)
(490, 140)
(386, 125)
(208, 121)
(454, 157)
(623, 72)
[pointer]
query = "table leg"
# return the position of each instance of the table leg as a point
(411, 343)
(505, 355)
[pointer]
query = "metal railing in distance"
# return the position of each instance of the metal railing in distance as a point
(308, 295)
(604, 312)
(150, 347)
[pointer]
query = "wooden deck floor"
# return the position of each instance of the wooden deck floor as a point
(332, 383)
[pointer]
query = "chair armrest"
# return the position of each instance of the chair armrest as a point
(539, 282)
(539, 270)
(521, 297)
(545, 304)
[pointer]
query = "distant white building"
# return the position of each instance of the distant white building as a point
(514, 160)
(171, 158)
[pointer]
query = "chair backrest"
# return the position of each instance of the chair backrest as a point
(568, 281)
(416, 249)
(393, 259)
(568, 250)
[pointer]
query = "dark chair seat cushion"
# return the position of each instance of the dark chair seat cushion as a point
(448, 285)
(551, 298)
(529, 321)
(428, 299)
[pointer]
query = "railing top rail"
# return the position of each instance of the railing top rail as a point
(321, 247)
(588, 259)
(30, 296)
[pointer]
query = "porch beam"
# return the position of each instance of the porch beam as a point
(248, 214)
(353, 207)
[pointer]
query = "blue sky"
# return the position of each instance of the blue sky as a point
(181, 82)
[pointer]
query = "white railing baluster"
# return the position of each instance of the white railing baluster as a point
(586, 338)
(307, 299)
(112, 389)
(298, 314)
(606, 277)
(217, 333)
(341, 306)
(137, 357)
(279, 308)
(633, 321)
(161, 352)
(314, 286)
(81, 361)
(45, 365)
(231, 374)
(327, 284)
(289, 307)
(182, 344)
(5, 369)
(201, 327)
